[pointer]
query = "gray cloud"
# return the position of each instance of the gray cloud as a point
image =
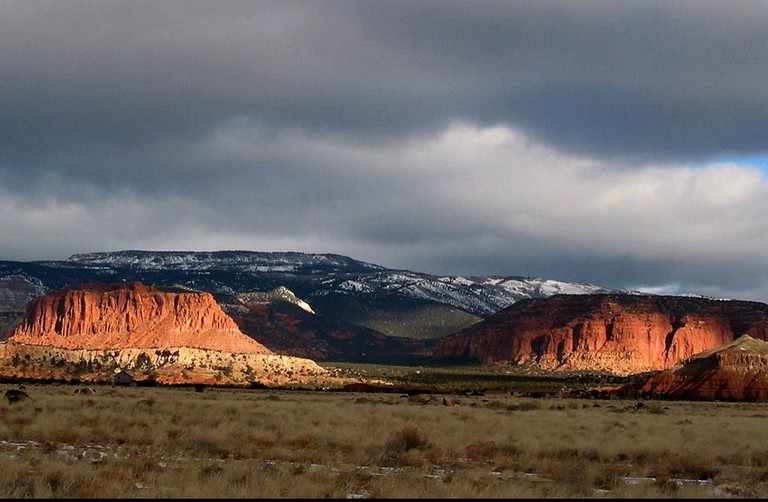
(673, 80)
(567, 140)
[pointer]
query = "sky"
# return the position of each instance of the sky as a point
(619, 143)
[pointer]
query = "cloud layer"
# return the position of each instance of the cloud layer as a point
(577, 141)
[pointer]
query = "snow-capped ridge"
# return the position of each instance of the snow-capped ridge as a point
(318, 275)
(479, 295)
(252, 261)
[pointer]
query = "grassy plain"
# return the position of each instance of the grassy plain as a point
(160, 442)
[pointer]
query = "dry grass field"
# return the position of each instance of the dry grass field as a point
(159, 442)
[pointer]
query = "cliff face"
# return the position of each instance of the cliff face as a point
(621, 334)
(737, 371)
(93, 331)
(116, 316)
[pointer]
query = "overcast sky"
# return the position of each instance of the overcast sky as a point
(620, 143)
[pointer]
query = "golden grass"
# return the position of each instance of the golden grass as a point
(137, 442)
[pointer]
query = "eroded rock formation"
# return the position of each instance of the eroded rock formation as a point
(616, 333)
(737, 371)
(117, 316)
(93, 331)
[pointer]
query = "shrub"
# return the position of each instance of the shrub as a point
(396, 449)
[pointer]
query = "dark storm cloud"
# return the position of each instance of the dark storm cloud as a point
(662, 79)
(631, 78)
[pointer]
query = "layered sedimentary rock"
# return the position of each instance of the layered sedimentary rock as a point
(175, 366)
(116, 316)
(94, 331)
(737, 371)
(616, 333)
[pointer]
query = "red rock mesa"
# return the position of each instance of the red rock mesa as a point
(131, 315)
(621, 334)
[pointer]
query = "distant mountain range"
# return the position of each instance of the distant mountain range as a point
(393, 302)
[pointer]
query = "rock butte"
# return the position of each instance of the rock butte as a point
(92, 331)
(620, 334)
(131, 315)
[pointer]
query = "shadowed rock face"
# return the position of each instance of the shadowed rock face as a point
(621, 334)
(737, 371)
(289, 329)
(116, 316)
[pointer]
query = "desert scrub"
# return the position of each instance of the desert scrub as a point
(155, 442)
(404, 448)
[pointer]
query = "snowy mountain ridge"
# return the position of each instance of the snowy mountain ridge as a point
(311, 276)
(248, 261)
(480, 295)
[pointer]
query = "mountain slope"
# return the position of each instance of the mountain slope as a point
(287, 328)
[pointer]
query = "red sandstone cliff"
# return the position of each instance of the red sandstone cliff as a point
(737, 371)
(621, 334)
(92, 331)
(131, 315)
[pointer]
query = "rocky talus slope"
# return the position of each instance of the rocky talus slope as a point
(615, 333)
(93, 331)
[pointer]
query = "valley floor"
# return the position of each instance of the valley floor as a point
(158, 442)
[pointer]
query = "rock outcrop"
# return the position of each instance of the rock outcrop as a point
(117, 316)
(93, 331)
(174, 366)
(616, 333)
(278, 294)
(737, 371)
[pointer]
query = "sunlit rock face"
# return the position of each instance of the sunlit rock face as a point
(115, 316)
(92, 331)
(737, 371)
(616, 333)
